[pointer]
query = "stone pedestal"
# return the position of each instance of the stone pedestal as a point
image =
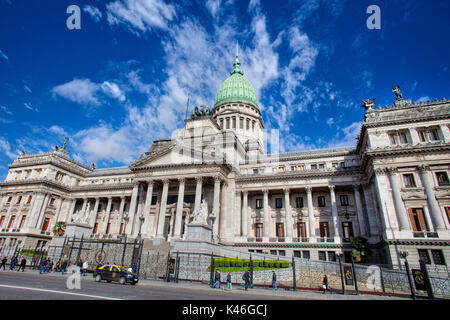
(77, 230)
(198, 232)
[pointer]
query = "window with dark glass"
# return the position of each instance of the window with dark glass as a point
(9, 199)
(314, 167)
(331, 256)
(301, 229)
(321, 166)
(447, 211)
(278, 203)
(255, 171)
(2, 219)
(234, 122)
(29, 199)
(424, 256)
(22, 221)
(418, 219)
(438, 257)
(19, 199)
(11, 221)
(393, 138)
(409, 181)
(422, 135)
(442, 178)
(306, 255)
(321, 201)
(324, 230)
(434, 136)
(344, 200)
(241, 123)
(403, 137)
(273, 252)
(228, 123)
(297, 254)
(45, 225)
(95, 228)
(322, 256)
(259, 204)
(299, 202)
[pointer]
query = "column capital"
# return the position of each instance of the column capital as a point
(182, 180)
(265, 191)
(391, 170)
(356, 186)
(217, 178)
(245, 192)
(308, 189)
(423, 167)
(332, 187)
(199, 179)
(286, 190)
(151, 181)
(165, 181)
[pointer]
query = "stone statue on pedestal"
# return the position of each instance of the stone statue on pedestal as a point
(200, 215)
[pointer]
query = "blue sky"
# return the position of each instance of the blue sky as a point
(122, 80)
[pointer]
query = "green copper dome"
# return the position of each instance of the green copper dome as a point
(236, 88)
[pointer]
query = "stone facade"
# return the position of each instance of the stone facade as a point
(391, 188)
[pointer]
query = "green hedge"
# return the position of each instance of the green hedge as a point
(245, 263)
(31, 252)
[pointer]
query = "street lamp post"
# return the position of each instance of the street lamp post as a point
(340, 255)
(404, 255)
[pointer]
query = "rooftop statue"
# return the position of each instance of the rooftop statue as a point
(23, 153)
(63, 148)
(398, 94)
(368, 104)
(200, 112)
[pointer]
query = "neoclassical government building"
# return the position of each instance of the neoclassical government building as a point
(392, 187)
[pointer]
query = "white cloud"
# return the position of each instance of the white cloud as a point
(330, 121)
(94, 12)
(4, 56)
(347, 137)
(5, 148)
(26, 88)
(82, 91)
(213, 6)
(111, 89)
(140, 16)
(424, 99)
(6, 110)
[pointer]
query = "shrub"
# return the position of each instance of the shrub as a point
(276, 264)
(218, 262)
(226, 262)
(246, 262)
(284, 264)
(240, 263)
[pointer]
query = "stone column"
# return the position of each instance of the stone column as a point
(288, 215)
(58, 211)
(162, 210)
(121, 207)
(42, 212)
(311, 218)
(381, 188)
(148, 203)
(216, 207)
(266, 226)
(198, 192)
(359, 212)
(95, 212)
(132, 212)
(83, 208)
(435, 212)
(245, 213)
(398, 202)
(71, 210)
(179, 213)
(334, 214)
(108, 214)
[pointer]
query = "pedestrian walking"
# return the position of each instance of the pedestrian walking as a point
(13, 263)
(85, 266)
(228, 282)
(79, 266)
(23, 264)
(274, 280)
(246, 278)
(325, 287)
(42, 269)
(133, 268)
(4, 260)
(217, 279)
(63, 267)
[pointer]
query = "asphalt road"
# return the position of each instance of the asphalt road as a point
(33, 286)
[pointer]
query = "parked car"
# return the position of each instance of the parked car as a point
(110, 272)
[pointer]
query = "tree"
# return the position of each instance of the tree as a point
(360, 249)
(59, 229)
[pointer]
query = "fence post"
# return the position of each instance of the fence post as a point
(211, 271)
(79, 249)
(124, 248)
(427, 279)
(33, 259)
(251, 271)
(340, 270)
(167, 268)
(382, 280)
(177, 267)
(293, 273)
(413, 294)
(354, 275)
(141, 246)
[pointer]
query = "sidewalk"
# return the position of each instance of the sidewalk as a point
(238, 289)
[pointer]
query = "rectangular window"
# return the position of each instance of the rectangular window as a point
(248, 124)
(45, 225)
(403, 137)
(9, 199)
(447, 211)
(408, 179)
(417, 219)
(282, 252)
(29, 199)
(344, 200)
(321, 201)
(301, 229)
(314, 167)
(280, 230)
(299, 202)
(95, 228)
(241, 123)
(22, 221)
(297, 254)
(121, 228)
(393, 138)
(438, 257)
(331, 256)
(442, 178)
(259, 204)
(278, 203)
(273, 252)
(324, 230)
(322, 256)
(422, 135)
(434, 136)
(19, 199)
(228, 123)
(11, 221)
(2, 219)
(321, 166)
(255, 171)
(424, 256)
(347, 229)
(301, 167)
(107, 228)
(52, 202)
(234, 122)
(258, 230)
(306, 255)
(280, 169)
(221, 123)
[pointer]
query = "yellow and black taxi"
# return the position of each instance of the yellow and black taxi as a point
(111, 272)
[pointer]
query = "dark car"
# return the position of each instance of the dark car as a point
(110, 272)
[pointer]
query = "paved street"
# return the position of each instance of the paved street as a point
(33, 286)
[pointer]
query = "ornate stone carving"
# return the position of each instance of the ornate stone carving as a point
(200, 215)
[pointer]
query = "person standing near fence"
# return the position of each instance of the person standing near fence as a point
(274, 280)
(13, 263)
(23, 263)
(246, 278)
(217, 279)
(42, 267)
(325, 284)
(85, 266)
(4, 260)
(63, 267)
(228, 282)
